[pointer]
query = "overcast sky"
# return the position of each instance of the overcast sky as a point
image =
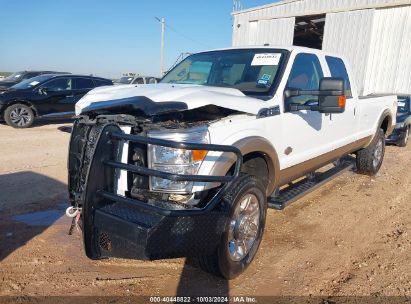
(108, 38)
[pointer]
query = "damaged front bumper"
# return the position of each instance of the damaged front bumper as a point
(122, 226)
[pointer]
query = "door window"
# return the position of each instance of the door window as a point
(59, 84)
(337, 69)
(102, 82)
(305, 74)
(139, 80)
(83, 83)
(151, 80)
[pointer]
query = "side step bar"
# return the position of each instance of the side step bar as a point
(294, 191)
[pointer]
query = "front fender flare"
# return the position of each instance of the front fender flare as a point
(252, 144)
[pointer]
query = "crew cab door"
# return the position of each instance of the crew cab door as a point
(305, 134)
(344, 125)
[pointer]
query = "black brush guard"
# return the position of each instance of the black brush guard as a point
(120, 226)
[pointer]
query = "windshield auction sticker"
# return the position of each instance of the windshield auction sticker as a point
(266, 59)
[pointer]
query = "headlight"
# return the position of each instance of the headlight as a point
(178, 161)
(400, 125)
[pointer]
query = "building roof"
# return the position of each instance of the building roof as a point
(291, 8)
(289, 48)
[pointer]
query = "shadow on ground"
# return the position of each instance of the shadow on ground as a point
(195, 282)
(39, 122)
(29, 204)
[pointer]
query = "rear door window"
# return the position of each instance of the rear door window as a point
(139, 80)
(337, 69)
(59, 84)
(151, 80)
(101, 82)
(83, 83)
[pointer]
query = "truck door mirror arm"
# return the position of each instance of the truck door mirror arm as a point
(331, 97)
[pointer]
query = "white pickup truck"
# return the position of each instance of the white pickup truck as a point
(187, 167)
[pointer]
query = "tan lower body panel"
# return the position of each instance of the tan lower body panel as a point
(289, 174)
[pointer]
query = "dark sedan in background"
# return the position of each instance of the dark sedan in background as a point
(401, 132)
(45, 94)
(18, 77)
(137, 80)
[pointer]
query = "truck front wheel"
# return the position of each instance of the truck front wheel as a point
(369, 160)
(247, 204)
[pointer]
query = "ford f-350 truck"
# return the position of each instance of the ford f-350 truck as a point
(186, 167)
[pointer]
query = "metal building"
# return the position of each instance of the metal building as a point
(375, 35)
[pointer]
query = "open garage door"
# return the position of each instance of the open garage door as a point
(309, 31)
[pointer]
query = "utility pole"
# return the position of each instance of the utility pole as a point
(162, 48)
(162, 45)
(237, 6)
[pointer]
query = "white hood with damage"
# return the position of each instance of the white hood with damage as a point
(195, 96)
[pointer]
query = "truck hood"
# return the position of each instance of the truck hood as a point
(191, 96)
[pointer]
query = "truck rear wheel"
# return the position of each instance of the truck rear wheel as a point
(404, 141)
(244, 228)
(369, 160)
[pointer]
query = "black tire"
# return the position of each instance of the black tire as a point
(222, 262)
(369, 160)
(19, 116)
(404, 141)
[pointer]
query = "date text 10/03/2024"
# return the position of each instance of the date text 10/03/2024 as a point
(182, 299)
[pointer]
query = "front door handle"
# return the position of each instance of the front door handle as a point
(68, 96)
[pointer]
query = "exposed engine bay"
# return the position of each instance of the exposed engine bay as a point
(88, 127)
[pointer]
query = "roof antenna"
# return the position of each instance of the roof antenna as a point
(266, 44)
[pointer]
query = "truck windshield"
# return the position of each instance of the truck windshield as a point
(252, 71)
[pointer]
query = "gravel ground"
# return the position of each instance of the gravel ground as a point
(350, 237)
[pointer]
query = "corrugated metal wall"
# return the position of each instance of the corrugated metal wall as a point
(375, 35)
(342, 31)
(293, 8)
(389, 61)
(274, 32)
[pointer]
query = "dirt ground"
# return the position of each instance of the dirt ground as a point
(350, 237)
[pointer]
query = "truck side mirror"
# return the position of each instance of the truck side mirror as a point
(332, 95)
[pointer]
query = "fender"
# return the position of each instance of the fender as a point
(390, 127)
(29, 104)
(252, 144)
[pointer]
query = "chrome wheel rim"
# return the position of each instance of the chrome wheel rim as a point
(407, 134)
(20, 116)
(244, 227)
(378, 152)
